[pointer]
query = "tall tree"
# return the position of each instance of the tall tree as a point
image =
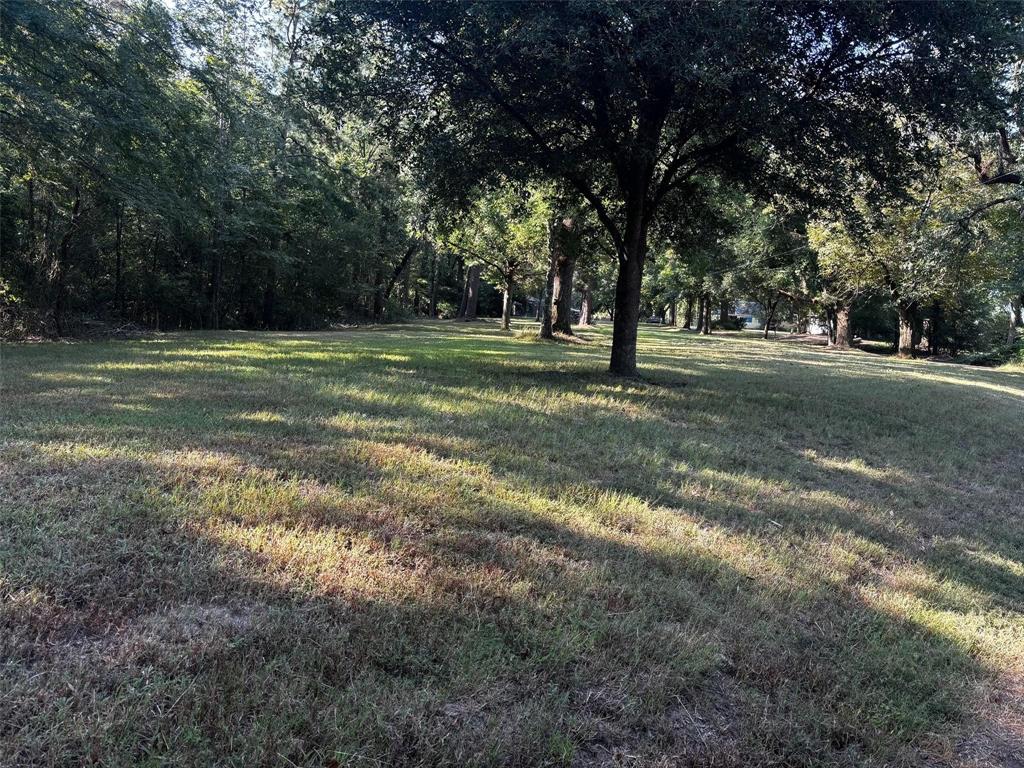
(629, 102)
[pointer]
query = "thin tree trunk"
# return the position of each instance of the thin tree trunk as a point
(119, 264)
(465, 289)
(506, 304)
(700, 313)
(1018, 311)
(433, 285)
(934, 324)
(400, 268)
(585, 308)
(472, 292)
(60, 267)
(547, 297)
(769, 316)
(688, 314)
(270, 296)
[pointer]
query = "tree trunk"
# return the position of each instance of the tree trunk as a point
(566, 253)
(585, 308)
(700, 313)
(506, 304)
(907, 320)
(917, 332)
(672, 312)
(472, 292)
(433, 285)
(547, 297)
(1018, 311)
(705, 324)
(627, 314)
(60, 267)
(400, 269)
(843, 337)
(270, 296)
(934, 324)
(769, 316)
(688, 314)
(119, 263)
(723, 312)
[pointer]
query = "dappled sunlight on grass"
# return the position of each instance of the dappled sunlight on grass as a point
(445, 528)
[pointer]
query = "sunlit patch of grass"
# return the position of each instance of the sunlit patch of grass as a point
(443, 545)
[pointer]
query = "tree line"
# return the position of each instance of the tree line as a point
(303, 163)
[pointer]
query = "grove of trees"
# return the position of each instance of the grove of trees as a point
(303, 163)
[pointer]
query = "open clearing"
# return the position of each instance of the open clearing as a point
(441, 545)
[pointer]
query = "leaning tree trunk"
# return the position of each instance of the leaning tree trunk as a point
(585, 307)
(843, 336)
(506, 304)
(769, 316)
(472, 293)
(907, 320)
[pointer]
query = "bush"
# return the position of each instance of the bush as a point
(1005, 354)
(732, 324)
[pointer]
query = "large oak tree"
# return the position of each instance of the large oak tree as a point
(630, 102)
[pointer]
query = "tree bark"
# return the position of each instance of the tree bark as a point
(567, 251)
(547, 298)
(433, 285)
(688, 314)
(723, 312)
(672, 312)
(400, 269)
(60, 267)
(705, 327)
(769, 316)
(843, 336)
(472, 292)
(700, 313)
(506, 304)
(1018, 311)
(907, 321)
(585, 308)
(119, 262)
(627, 315)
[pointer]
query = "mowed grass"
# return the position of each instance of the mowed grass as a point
(442, 545)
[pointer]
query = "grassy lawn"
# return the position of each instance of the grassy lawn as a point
(441, 545)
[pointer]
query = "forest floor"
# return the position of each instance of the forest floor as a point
(443, 545)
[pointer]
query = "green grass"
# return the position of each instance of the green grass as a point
(442, 545)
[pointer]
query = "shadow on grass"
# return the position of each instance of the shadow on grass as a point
(426, 549)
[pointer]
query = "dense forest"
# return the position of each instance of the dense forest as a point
(300, 164)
